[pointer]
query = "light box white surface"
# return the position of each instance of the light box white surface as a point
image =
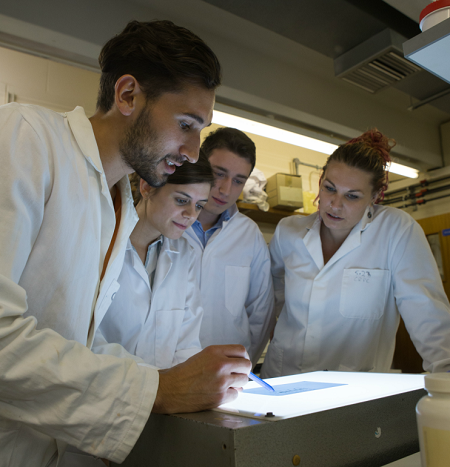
(358, 387)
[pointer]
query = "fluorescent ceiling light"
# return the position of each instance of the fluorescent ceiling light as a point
(261, 129)
(400, 169)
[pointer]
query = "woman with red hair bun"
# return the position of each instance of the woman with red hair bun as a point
(344, 275)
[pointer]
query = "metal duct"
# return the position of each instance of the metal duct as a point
(375, 63)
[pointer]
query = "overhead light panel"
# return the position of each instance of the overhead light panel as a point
(261, 129)
(400, 169)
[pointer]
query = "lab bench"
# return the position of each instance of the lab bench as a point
(370, 433)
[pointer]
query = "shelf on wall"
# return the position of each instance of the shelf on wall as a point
(272, 216)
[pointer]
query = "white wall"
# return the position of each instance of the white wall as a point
(34, 80)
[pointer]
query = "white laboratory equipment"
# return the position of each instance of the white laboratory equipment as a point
(433, 421)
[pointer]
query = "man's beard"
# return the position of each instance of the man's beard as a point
(140, 150)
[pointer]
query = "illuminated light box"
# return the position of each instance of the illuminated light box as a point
(334, 419)
(332, 389)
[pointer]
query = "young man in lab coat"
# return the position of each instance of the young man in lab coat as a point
(66, 213)
(234, 263)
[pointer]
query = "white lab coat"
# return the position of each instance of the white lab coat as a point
(344, 315)
(57, 220)
(161, 324)
(236, 285)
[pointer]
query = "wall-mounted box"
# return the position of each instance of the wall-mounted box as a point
(285, 192)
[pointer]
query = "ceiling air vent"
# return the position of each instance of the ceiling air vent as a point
(375, 63)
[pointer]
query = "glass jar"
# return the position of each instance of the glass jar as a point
(433, 421)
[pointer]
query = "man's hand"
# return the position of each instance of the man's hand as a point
(206, 380)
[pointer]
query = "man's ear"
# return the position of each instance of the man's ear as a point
(125, 92)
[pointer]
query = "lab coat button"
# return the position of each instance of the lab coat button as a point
(113, 296)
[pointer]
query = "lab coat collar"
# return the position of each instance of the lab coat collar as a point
(233, 210)
(129, 216)
(232, 213)
(350, 243)
(128, 221)
(164, 264)
(366, 220)
(313, 242)
(354, 237)
(312, 239)
(169, 246)
(152, 245)
(84, 135)
(165, 261)
(136, 262)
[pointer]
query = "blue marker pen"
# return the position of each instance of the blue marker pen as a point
(262, 383)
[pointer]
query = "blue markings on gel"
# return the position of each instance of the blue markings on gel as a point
(292, 388)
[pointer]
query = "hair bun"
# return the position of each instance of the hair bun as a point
(377, 141)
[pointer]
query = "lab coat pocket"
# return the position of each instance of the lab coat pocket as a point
(364, 293)
(237, 283)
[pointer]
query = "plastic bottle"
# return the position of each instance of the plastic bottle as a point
(433, 421)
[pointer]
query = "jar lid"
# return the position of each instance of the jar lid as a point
(432, 7)
(439, 382)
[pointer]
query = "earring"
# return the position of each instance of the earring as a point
(369, 215)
